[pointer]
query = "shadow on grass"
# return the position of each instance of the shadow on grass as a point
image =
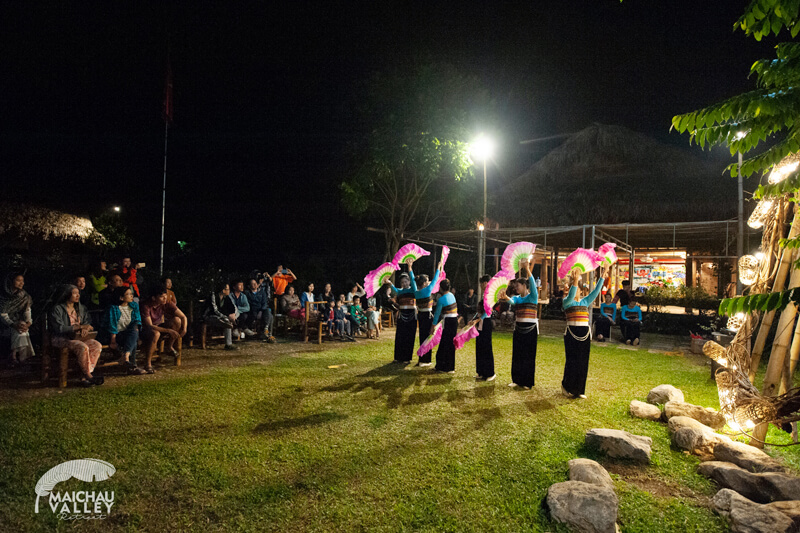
(316, 419)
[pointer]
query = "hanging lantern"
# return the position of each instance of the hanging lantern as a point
(735, 322)
(748, 269)
(787, 165)
(714, 351)
(727, 388)
(761, 213)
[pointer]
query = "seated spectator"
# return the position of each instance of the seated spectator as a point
(632, 320)
(355, 290)
(624, 294)
(607, 318)
(167, 282)
(70, 328)
(106, 297)
(161, 319)
(15, 318)
(260, 311)
(386, 299)
(307, 296)
(327, 295)
(86, 297)
(120, 329)
(221, 312)
(128, 274)
(469, 305)
(243, 306)
(354, 325)
(341, 323)
(290, 304)
(98, 281)
(373, 312)
(358, 314)
(281, 279)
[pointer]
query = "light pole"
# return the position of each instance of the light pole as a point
(483, 148)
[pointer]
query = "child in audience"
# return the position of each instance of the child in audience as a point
(357, 312)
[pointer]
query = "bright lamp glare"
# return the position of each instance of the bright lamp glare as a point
(740, 135)
(483, 148)
(116, 209)
(480, 226)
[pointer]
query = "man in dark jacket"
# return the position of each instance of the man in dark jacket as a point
(259, 307)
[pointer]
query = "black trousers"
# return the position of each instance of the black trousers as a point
(446, 353)
(576, 367)
(425, 320)
(404, 338)
(484, 355)
(523, 354)
(603, 326)
(631, 330)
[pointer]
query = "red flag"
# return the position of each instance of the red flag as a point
(167, 111)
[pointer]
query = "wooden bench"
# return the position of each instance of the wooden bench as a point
(50, 352)
(317, 322)
(387, 318)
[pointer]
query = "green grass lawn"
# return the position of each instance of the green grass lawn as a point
(292, 445)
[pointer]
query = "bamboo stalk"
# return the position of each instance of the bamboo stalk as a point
(787, 258)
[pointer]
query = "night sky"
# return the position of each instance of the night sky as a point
(262, 94)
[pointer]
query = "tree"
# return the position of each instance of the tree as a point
(743, 122)
(411, 169)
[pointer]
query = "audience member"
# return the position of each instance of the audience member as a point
(98, 281)
(128, 274)
(161, 319)
(242, 304)
(106, 296)
(607, 318)
(281, 279)
(632, 320)
(86, 297)
(327, 295)
(70, 328)
(221, 312)
(15, 318)
(341, 322)
(291, 304)
(357, 312)
(167, 282)
(120, 329)
(469, 305)
(373, 312)
(260, 311)
(624, 294)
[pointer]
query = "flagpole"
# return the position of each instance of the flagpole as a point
(164, 197)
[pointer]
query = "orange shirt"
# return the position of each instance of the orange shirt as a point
(280, 282)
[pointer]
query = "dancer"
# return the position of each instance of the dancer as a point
(448, 309)
(422, 293)
(484, 355)
(406, 319)
(526, 330)
(578, 336)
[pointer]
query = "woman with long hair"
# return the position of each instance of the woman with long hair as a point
(406, 319)
(578, 336)
(15, 317)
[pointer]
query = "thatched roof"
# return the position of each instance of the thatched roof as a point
(609, 175)
(29, 222)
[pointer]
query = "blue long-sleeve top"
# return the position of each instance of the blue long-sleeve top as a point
(605, 309)
(444, 300)
(258, 299)
(411, 289)
(628, 310)
(113, 314)
(426, 292)
(304, 298)
(569, 301)
(242, 304)
(531, 298)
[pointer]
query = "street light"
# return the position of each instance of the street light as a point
(117, 209)
(482, 148)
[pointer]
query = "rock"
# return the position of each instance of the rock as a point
(584, 506)
(749, 517)
(589, 471)
(689, 434)
(747, 457)
(620, 444)
(789, 508)
(664, 394)
(710, 417)
(766, 487)
(644, 410)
